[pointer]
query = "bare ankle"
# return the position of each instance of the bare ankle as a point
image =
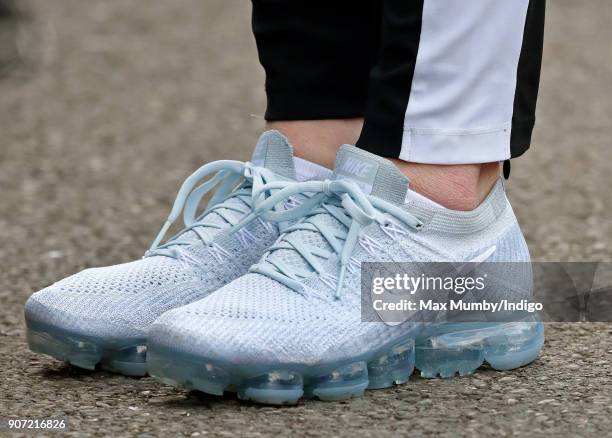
(457, 187)
(319, 140)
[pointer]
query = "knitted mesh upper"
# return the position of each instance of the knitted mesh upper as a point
(130, 296)
(123, 300)
(258, 320)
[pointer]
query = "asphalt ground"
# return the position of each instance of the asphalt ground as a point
(113, 103)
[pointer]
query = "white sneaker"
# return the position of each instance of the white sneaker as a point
(293, 326)
(103, 315)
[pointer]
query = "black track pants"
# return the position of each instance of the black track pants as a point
(437, 81)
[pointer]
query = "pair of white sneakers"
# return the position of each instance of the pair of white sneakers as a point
(261, 293)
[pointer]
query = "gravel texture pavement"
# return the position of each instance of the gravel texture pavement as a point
(115, 102)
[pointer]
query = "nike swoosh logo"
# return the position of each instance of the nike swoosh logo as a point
(461, 269)
(470, 265)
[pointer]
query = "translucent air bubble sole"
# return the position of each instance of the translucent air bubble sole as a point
(451, 350)
(462, 348)
(284, 386)
(86, 353)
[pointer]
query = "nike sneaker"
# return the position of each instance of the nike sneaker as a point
(102, 315)
(294, 325)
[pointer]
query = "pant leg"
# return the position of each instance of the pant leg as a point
(457, 81)
(317, 56)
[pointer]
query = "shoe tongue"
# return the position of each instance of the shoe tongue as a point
(374, 175)
(274, 152)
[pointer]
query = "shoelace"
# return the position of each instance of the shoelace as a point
(226, 180)
(344, 201)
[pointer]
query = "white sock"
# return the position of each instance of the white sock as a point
(412, 196)
(307, 170)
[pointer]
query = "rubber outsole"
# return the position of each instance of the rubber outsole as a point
(452, 349)
(88, 353)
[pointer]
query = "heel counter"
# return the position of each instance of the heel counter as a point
(512, 239)
(513, 248)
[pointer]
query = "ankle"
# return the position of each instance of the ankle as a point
(318, 141)
(457, 187)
